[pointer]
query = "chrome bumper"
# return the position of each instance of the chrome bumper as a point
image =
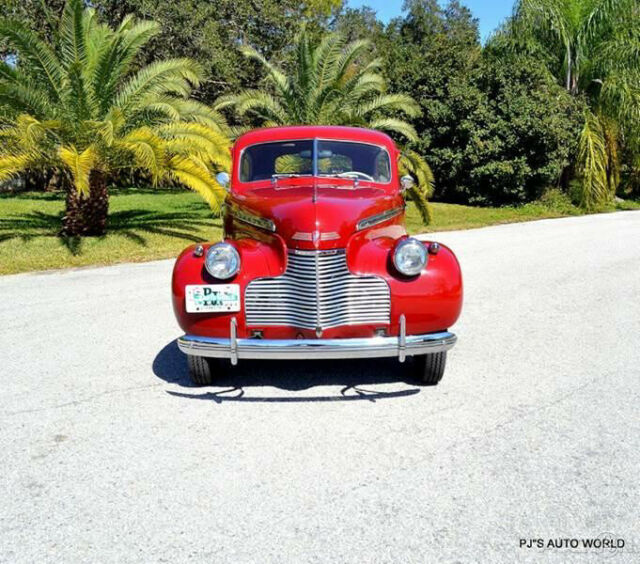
(375, 347)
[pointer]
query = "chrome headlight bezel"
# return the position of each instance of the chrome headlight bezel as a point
(410, 247)
(225, 255)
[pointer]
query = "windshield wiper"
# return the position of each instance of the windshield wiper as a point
(342, 176)
(277, 175)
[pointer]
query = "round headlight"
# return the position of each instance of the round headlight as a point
(222, 261)
(410, 257)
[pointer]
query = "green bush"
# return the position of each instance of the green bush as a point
(512, 133)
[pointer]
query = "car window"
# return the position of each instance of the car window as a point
(353, 160)
(342, 159)
(263, 161)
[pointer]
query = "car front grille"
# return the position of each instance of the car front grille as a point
(317, 291)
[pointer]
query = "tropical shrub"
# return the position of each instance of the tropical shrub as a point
(508, 134)
(81, 105)
(592, 48)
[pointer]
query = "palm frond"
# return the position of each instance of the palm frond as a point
(603, 13)
(39, 56)
(257, 102)
(593, 163)
(20, 96)
(148, 149)
(395, 125)
(80, 165)
(11, 165)
(115, 59)
(274, 73)
(391, 102)
(71, 33)
(350, 54)
(159, 78)
(413, 164)
(195, 176)
(209, 145)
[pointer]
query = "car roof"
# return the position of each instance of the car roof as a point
(292, 132)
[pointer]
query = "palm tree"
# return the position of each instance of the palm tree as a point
(334, 83)
(82, 107)
(592, 47)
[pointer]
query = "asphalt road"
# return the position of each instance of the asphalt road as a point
(107, 454)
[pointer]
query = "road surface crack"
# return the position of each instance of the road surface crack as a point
(83, 400)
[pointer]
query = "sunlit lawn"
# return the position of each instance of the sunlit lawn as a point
(153, 224)
(143, 225)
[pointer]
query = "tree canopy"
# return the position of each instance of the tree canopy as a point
(80, 104)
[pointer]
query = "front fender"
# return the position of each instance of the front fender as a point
(258, 259)
(430, 301)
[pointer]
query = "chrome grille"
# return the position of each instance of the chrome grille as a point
(317, 291)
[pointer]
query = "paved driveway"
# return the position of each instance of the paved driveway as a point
(109, 455)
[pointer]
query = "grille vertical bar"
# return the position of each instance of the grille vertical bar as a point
(317, 291)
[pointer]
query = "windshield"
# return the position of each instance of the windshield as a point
(336, 159)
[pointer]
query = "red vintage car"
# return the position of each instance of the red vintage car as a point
(316, 262)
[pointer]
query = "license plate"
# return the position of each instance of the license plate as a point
(208, 298)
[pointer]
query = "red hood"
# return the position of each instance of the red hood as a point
(324, 222)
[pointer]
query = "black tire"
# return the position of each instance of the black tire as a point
(201, 370)
(429, 368)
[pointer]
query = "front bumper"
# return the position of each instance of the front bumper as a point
(375, 347)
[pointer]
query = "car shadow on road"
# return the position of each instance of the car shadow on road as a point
(353, 377)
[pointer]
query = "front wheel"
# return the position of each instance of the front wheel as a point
(201, 370)
(429, 368)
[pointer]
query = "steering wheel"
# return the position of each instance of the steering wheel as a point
(356, 174)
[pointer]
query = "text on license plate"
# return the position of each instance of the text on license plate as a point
(204, 298)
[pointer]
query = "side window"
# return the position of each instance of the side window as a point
(245, 168)
(383, 167)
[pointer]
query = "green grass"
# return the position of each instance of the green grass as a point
(143, 225)
(448, 217)
(153, 224)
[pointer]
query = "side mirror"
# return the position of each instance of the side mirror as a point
(223, 179)
(406, 182)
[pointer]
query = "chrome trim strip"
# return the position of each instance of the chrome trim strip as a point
(307, 236)
(318, 297)
(378, 218)
(233, 345)
(254, 220)
(402, 339)
(374, 347)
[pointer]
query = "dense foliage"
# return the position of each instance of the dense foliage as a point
(592, 48)
(80, 107)
(495, 129)
(504, 135)
(207, 31)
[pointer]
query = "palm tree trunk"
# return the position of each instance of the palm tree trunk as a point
(87, 214)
